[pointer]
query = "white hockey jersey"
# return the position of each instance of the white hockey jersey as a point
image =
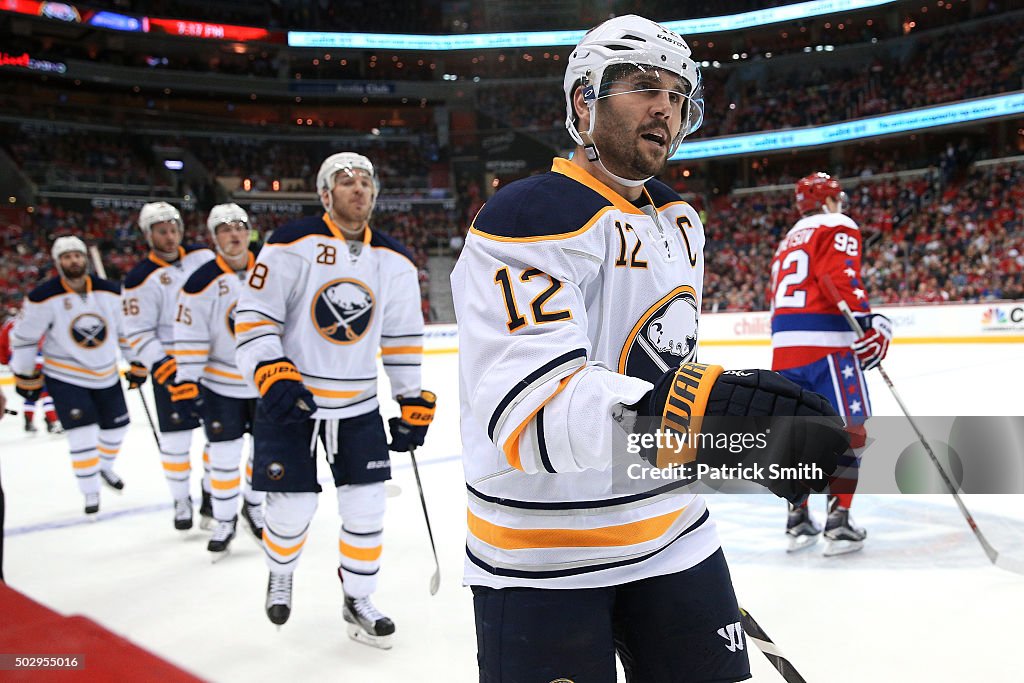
(571, 301)
(83, 333)
(330, 306)
(150, 301)
(204, 329)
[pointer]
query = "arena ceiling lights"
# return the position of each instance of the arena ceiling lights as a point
(485, 41)
(902, 122)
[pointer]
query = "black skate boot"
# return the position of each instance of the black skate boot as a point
(206, 520)
(53, 427)
(221, 538)
(92, 503)
(29, 427)
(253, 515)
(366, 624)
(842, 534)
(801, 528)
(279, 598)
(111, 479)
(183, 514)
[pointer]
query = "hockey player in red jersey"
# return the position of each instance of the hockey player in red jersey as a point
(45, 402)
(818, 261)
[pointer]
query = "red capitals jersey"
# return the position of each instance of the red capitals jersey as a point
(806, 324)
(5, 344)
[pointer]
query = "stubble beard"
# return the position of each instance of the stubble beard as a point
(74, 272)
(620, 150)
(348, 217)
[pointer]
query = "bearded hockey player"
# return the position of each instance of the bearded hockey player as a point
(150, 306)
(325, 296)
(577, 295)
(80, 316)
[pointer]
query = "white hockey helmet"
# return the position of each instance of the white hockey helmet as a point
(158, 212)
(225, 213)
(346, 162)
(623, 46)
(64, 245)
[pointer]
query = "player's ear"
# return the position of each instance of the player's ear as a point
(325, 199)
(579, 105)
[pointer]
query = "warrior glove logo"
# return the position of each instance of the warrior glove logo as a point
(89, 330)
(342, 310)
(733, 634)
(664, 338)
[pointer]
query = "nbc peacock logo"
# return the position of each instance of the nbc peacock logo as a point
(993, 316)
(996, 318)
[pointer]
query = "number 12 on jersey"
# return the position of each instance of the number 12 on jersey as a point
(516, 320)
(786, 292)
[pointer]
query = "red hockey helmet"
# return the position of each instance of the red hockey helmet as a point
(812, 191)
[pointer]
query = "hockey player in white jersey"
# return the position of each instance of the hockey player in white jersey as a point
(80, 316)
(326, 295)
(204, 343)
(150, 300)
(577, 296)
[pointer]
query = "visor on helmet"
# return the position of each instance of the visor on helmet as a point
(629, 77)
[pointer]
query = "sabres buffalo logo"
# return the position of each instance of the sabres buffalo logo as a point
(89, 330)
(229, 319)
(664, 337)
(342, 310)
(275, 471)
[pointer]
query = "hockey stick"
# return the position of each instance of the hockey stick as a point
(435, 580)
(97, 262)
(999, 560)
(149, 418)
(8, 411)
(767, 646)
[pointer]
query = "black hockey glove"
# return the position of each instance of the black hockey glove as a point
(29, 387)
(136, 375)
(408, 431)
(163, 370)
(186, 398)
(744, 418)
(284, 397)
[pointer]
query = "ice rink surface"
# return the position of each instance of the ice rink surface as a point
(920, 603)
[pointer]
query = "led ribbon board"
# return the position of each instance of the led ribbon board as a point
(916, 119)
(490, 41)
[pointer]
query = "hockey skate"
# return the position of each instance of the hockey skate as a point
(92, 504)
(29, 427)
(842, 535)
(183, 514)
(53, 427)
(279, 598)
(366, 624)
(253, 516)
(111, 479)
(221, 539)
(206, 520)
(801, 528)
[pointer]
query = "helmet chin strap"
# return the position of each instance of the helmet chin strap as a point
(590, 148)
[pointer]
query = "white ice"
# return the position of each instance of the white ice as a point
(920, 603)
